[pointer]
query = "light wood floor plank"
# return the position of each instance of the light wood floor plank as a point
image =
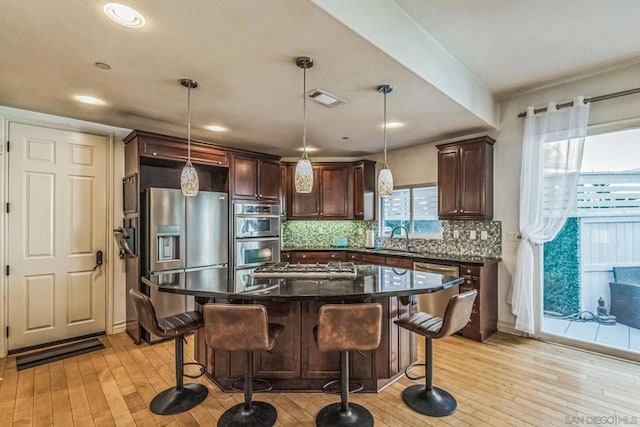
(506, 381)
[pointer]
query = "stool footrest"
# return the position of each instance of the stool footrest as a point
(258, 385)
(354, 387)
(410, 367)
(200, 365)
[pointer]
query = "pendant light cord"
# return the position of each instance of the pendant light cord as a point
(304, 109)
(385, 130)
(189, 122)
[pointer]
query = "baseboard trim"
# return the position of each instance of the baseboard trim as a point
(510, 328)
(118, 328)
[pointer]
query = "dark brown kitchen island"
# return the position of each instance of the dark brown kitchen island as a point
(296, 364)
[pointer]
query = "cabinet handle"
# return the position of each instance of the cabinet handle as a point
(321, 214)
(359, 213)
(455, 210)
(333, 256)
(461, 210)
(260, 195)
(304, 256)
(219, 163)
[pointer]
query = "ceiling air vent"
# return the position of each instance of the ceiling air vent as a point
(324, 98)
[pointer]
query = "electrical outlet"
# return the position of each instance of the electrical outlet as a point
(456, 234)
(472, 234)
(512, 236)
(483, 235)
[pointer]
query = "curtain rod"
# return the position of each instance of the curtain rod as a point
(593, 99)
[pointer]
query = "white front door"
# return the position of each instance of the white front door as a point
(56, 224)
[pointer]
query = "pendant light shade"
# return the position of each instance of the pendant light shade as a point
(189, 178)
(303, 177)
(385, 178)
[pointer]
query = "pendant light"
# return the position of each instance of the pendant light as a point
(303, 177)
(189, 178)
(385, 179)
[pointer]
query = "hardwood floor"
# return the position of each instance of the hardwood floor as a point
(507, 381)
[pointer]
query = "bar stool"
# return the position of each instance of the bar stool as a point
(429, 400)
(242, 327)
(182, 397)
(344, 328)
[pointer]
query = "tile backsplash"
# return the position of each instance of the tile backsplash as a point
(320, 234)
(456, 237)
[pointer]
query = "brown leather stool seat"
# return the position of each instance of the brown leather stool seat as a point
(344, 328)
(242, 327)
(429, 400)
(182, 397)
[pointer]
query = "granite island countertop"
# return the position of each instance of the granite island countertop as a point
(371, 281)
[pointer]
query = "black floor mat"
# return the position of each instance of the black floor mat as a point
(57, 353)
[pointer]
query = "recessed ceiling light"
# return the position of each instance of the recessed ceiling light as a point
(89, 100)
(124, 15)
(391, 125)
(217, 128)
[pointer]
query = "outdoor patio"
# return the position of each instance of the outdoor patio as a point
(618, 335)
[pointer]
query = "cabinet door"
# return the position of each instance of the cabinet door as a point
(283, 361)
(364, 197)
(472, 180)
(244, 177)
(334, 194)
(305, 257)
(448, 172)
(304, 205)
(269, 180)
(316, 364)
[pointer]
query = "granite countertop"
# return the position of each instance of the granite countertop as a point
(372, 281)
(471, 259)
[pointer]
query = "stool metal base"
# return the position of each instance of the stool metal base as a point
(261, 414)
(356, 415)
(435, 402)
(175, 400)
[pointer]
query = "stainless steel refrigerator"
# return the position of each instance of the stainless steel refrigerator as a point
(181, 235)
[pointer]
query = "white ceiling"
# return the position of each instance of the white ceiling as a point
(242, 54)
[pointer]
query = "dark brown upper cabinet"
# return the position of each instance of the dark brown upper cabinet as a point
(329, 197)
(340, 191)
(465, 179)
(256, 178)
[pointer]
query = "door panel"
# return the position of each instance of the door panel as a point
(57, 223)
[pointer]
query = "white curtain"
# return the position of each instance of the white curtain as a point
(551, 157)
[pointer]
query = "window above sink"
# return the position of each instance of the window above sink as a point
(415, 207)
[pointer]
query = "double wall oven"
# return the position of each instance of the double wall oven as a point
(256, 238)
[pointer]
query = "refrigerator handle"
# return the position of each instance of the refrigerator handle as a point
(208, 267)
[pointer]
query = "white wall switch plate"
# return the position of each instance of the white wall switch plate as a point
(472, 234)
(483, 235)
(456, 234)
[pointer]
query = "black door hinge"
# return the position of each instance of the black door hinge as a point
(7, 332)
(8, 207)
(8, 145)
(7, 270)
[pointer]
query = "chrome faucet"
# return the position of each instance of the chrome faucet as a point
(406, 230)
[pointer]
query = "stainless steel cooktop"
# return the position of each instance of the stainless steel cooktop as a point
(332, 270)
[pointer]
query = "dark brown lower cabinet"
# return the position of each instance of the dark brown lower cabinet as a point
(296, 364)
